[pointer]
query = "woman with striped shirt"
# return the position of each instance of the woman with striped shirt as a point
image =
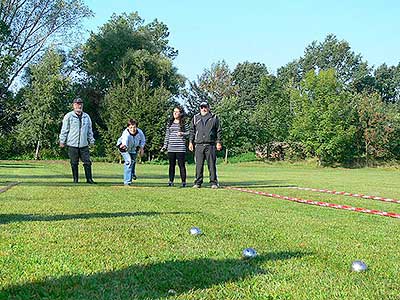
(175, 143)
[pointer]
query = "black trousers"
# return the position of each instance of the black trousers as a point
(180, 156)
(76, 153)
(207, 152)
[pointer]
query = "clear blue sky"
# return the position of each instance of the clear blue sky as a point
(270, 32)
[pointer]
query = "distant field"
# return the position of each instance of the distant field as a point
(106, 241)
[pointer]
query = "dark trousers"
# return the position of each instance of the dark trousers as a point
(75, 153)
(205, 152)
(180, 156)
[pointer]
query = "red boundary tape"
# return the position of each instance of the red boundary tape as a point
(320, 203)
(346, 194)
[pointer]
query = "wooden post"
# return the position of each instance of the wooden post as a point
(37, 150)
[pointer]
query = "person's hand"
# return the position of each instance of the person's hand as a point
(163, 149)
(62, 145)
(191, 147)
(179, 133)
(219, 146)
(141, 151)
(123, 147)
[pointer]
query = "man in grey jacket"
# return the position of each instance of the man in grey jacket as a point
(77, 134)
(205, 139)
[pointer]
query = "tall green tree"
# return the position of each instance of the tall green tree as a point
(272, 117)
(213, 85)
(125, 47)
(138, 100)
(247, 78)
(332, 53)
(32, 25)
(325, 119)
(378, 126)
(387, 80)
(46, 100)
(238, 134)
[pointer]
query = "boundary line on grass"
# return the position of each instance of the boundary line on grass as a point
(6, 188)
(333, 192)
(320, 203)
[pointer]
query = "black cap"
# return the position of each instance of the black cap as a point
(77, 100)
(203, 104)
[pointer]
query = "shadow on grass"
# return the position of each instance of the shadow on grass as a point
(13, 218)
(151, 281)
(17, 166)
(101, 180)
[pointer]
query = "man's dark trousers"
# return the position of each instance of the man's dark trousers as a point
(206, 152)
(74, 154)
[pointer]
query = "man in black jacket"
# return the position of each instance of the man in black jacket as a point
(205, 139)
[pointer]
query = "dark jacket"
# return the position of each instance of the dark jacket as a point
(207, 131)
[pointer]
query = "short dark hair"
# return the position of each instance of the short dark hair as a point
(132, 122)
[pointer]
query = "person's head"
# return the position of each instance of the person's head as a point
(178, 113)
(132, 126)
(78, 105)
(204, 108)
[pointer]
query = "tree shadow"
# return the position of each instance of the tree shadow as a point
(17, 166)
(149, 281)
(14, 218)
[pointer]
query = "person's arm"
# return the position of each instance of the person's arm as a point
(90, 132)
(64, 130)
(219, 133)
(166, 138)
(192, 130)
(125, 138)
(192, 133)
(186, 130)
(142, 138)
(142, 142)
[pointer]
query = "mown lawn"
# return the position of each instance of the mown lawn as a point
(65, 241)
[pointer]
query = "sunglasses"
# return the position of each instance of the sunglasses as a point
(203, 106)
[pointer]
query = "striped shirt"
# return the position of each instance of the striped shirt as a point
(172, 141)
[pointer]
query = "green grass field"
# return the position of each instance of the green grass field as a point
(106, 241)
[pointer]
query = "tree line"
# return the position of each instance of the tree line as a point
(329, 104)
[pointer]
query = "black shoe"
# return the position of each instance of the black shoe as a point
(183, 184)
(170, 183)
(134, 177)
(90, 181)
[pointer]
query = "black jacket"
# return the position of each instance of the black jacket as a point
(207, 131)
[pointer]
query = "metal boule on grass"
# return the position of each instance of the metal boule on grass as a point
(195, 231)
(249, 253)
(171, 292)
(358, 266)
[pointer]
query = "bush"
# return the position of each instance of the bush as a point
(245, 157)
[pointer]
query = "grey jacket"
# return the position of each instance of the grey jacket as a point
(75, 131)
(205, 131)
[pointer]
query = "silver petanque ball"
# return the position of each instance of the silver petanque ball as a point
(358, 266)
(195, 231)
(249, 253)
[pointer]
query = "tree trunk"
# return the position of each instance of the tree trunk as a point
(37, 151)
(226, 155)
